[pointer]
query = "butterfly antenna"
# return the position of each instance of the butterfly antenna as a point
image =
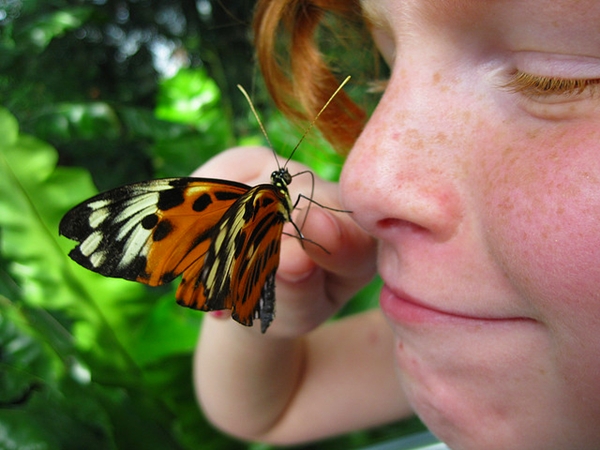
(260, 124)
(312, 124)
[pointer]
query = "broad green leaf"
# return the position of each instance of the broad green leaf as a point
(33, 197)
(9, 129)
(118, 325)
(35, 413)
(45, 403)
(190, 97)
(82, 121)
(168, 330)
(185, 97)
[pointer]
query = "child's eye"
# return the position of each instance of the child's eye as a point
(537, 86)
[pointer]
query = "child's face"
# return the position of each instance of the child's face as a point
(480, 177)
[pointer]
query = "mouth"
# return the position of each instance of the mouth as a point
(402, 308)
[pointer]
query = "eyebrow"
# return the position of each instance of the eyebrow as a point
(451, 7)
(377, 15)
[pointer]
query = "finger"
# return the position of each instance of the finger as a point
(333, 244)
(312, 284)
(350, 259)
(250, 165)
(333, 240)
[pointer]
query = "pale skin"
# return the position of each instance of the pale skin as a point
(475, 193)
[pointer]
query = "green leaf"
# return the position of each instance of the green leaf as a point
(68, 121)
(46, 404)
(33, 197)
(190, 97)
(34, 413)
(40, 32)
(108, 333)
(167, 330)
(186, 96)
(9, 129)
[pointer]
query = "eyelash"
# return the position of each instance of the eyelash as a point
(541, 86)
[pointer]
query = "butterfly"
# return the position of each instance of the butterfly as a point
(222, 237)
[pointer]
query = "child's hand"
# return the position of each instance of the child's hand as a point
(311, 283)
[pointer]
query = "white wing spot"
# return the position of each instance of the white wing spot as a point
(97, 259)
(137, 244)
(90, 244)
(97, 216)
(99, 204)
(140, 203)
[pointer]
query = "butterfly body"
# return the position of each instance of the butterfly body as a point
(223, 237)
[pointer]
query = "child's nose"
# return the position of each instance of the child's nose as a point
(405, 170)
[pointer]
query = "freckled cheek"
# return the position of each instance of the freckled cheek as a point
(543, 221)
(552, 248)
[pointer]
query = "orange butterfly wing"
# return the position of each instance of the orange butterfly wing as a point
(142, 231)
(238, 271)
(223, 236)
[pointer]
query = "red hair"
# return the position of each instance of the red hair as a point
(295, 71)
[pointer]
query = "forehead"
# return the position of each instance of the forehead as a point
(564, 26)
(378, 10)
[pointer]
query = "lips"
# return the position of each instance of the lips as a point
(401, 308)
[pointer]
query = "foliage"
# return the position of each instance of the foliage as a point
(87, 361)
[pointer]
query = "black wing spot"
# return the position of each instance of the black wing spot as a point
(179, 182)
(244, 266)
(249, 211)
(261, 228)
(163, 229)
(170, 199)
(167, 277)
(271, 250)
(149, 221)
(226, 195)
(266, 201)
(239, 243)
(137, 269)
(202, 202)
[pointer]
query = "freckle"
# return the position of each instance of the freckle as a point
(436, 78)
(534, 133)
(508, 153)
(416, 140)
(441, 138)
(506, 205)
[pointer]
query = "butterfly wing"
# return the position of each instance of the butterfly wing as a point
(223, 236)
(150, 231)
(238, 271)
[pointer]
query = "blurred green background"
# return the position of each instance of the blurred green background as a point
(95, 94)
